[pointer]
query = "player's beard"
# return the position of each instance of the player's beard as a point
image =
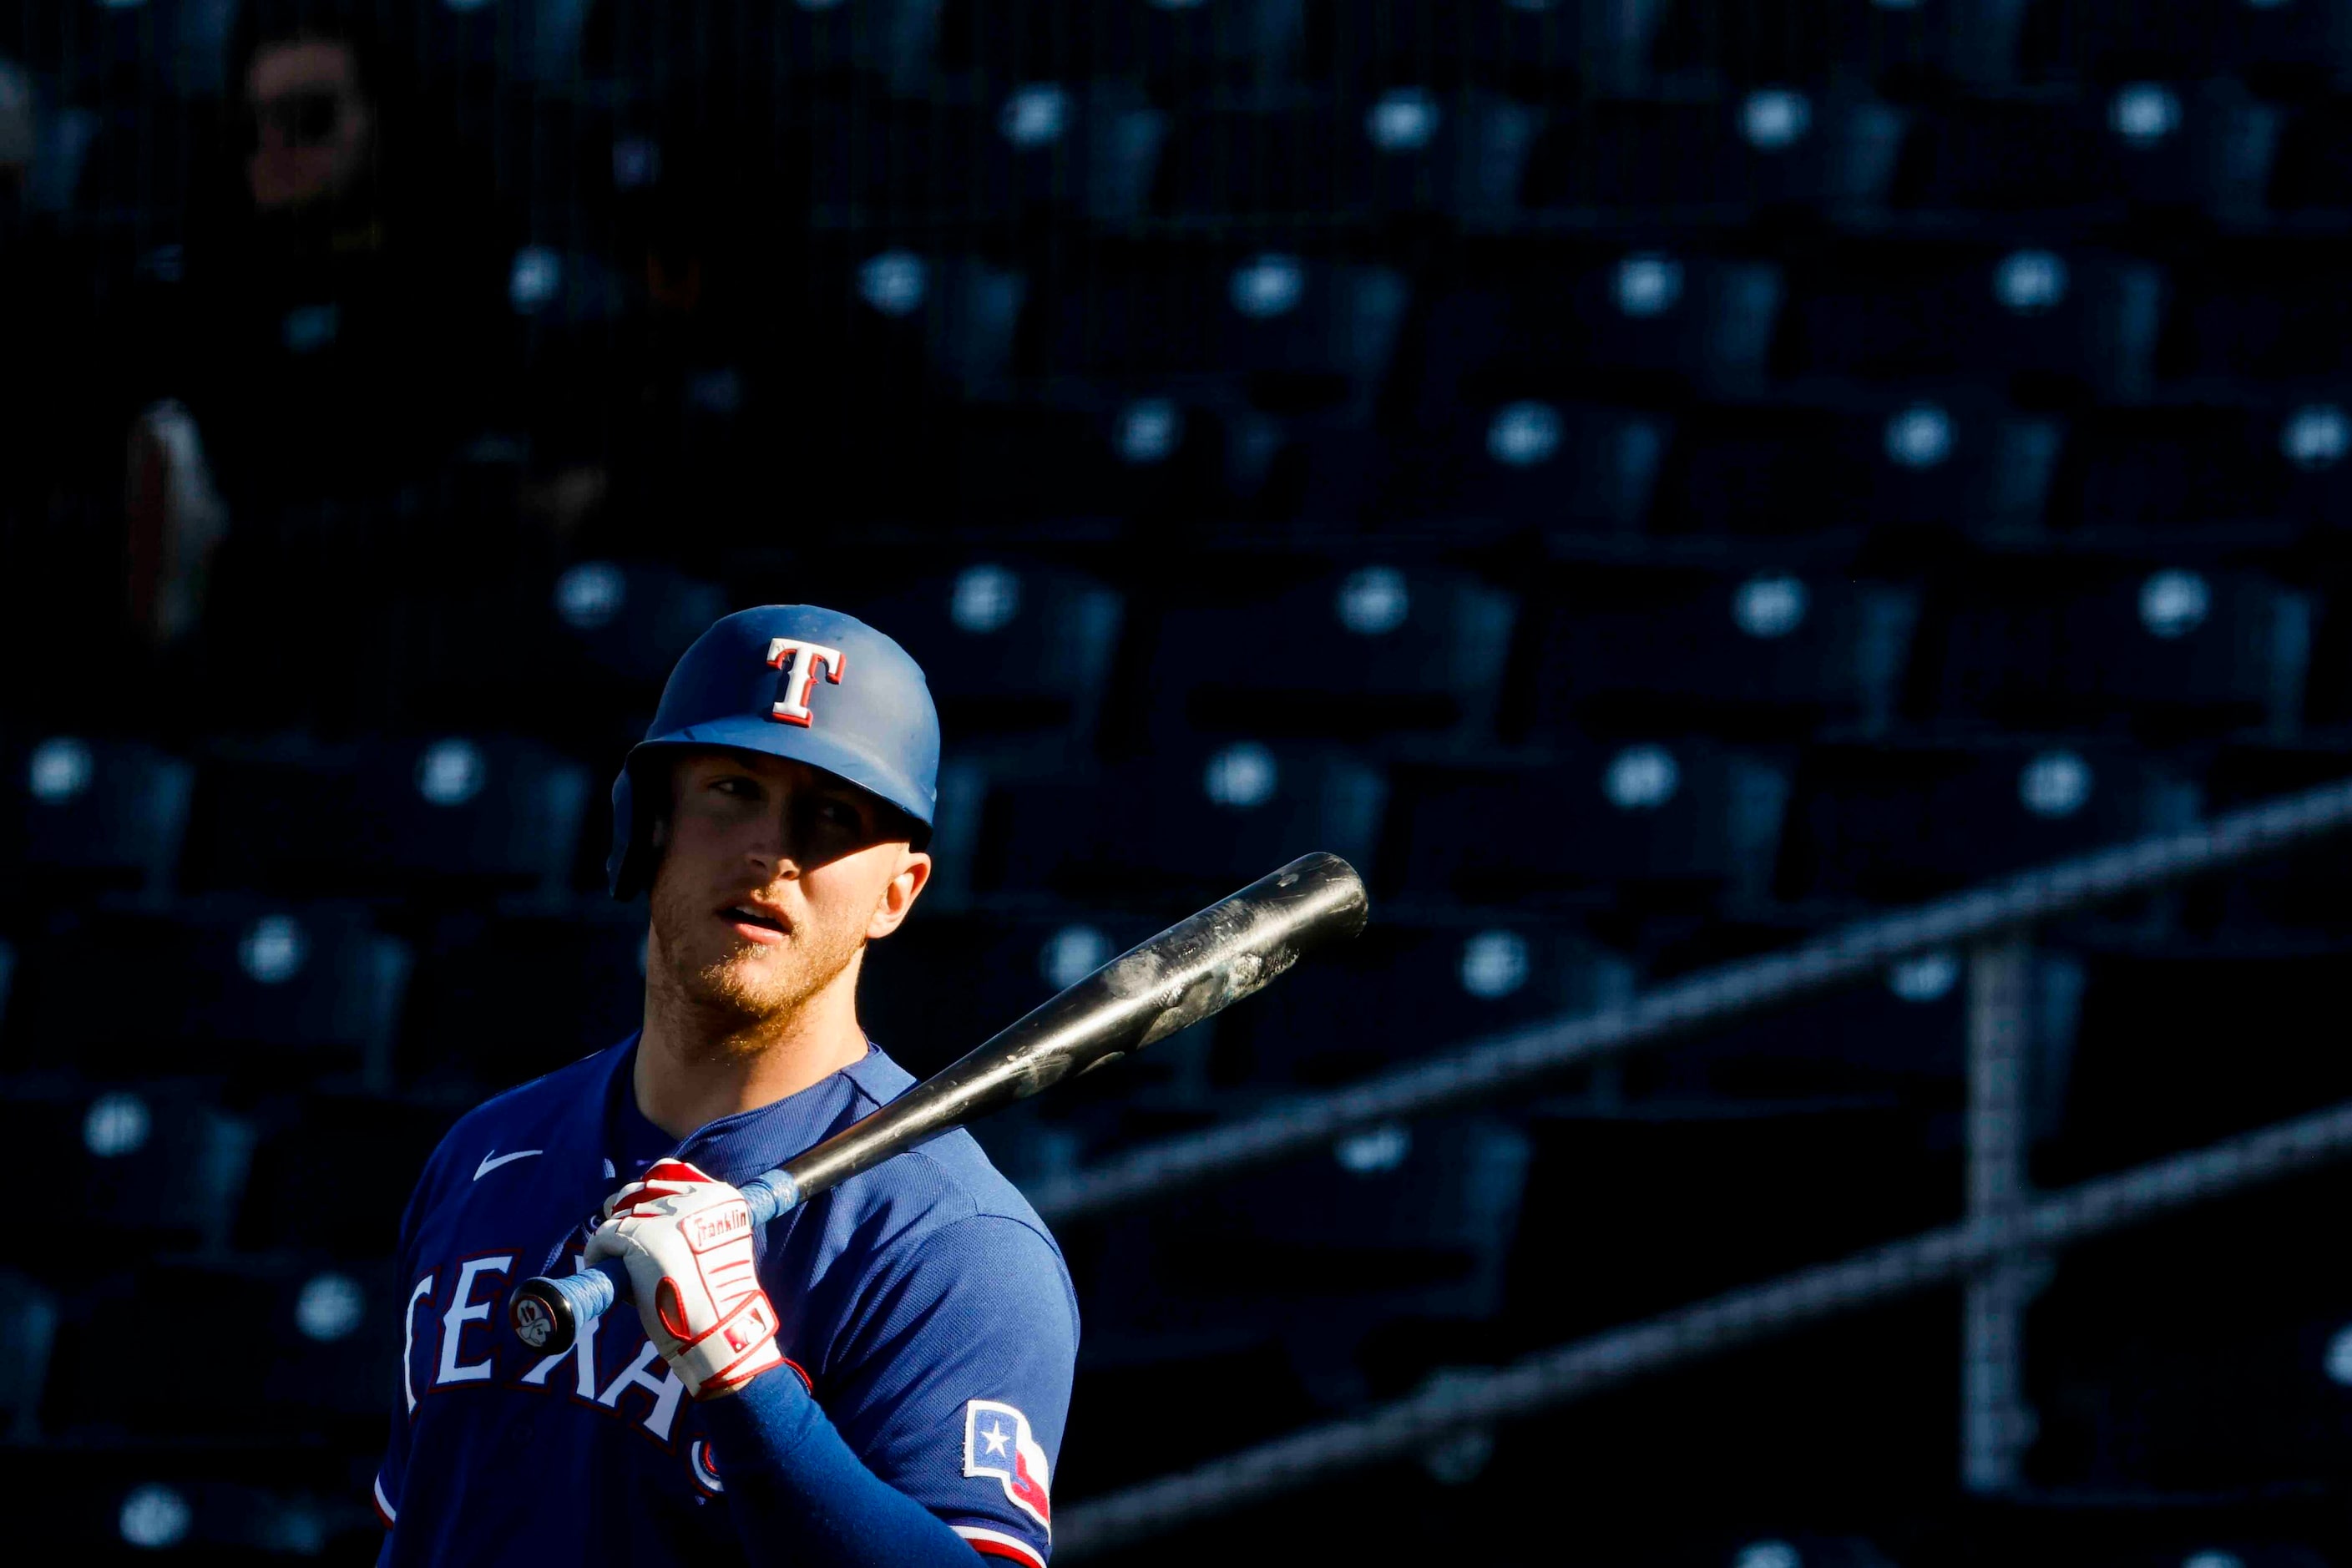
(752, 991)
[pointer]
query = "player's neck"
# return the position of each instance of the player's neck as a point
(693, 1067)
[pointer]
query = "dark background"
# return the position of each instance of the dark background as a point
(1646, 479)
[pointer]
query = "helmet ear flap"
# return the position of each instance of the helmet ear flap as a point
(636, 841)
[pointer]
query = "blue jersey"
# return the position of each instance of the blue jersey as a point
(923, 1302)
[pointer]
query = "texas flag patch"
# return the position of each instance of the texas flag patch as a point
(997, 1442)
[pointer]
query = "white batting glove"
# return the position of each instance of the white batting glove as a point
(687, 1242)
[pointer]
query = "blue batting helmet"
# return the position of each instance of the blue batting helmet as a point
(790, 680)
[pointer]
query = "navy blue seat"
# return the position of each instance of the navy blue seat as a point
(1191, 821)
(1534, 52)
(1297, 333)
(1402, 992)
(1905, 48)
(376, 1146)
(89, 813)
(1649, 819)
(1097, 455)
(2263, 311)
(1525, 462)
(1900, 823)
(1008, 648)
(334, 1334)
(1052, 148)
(1618, 323)
(501, 999)
(1775, 650)
(29, 1326)
(1373, 649)
(628, 621)
(1406, 150)
(1771, 147)
(156, 1165)
(1897, 1043)
(1182, 51)
(464, 815)
(2046, 321)
(1401, 1223)
(122, 52)
(2226, 470)
(113, 1497)
(2143, 144)
(724, 52)
(254, 989)
(2172, 645)
(1944, 458)
(2280, 47)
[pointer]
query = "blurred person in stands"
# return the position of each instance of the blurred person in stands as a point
(334, 334)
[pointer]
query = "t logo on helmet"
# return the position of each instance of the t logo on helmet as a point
(800, 661)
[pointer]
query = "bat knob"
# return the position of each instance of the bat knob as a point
(547, 1313)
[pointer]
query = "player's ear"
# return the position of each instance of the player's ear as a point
(899, 895)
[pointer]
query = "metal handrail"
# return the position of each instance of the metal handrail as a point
(1486, 1069)
(1549, 1378)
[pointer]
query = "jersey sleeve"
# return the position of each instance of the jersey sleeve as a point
(954, 1383)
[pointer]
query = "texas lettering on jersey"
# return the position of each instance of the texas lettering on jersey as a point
(464, 1345)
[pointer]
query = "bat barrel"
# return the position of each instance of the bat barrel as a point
(548, 1313)
(1195, 968)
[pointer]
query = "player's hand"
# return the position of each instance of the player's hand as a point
(687, 1242)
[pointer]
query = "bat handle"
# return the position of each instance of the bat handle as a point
(548, 1313)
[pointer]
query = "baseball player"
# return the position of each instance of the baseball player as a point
(877, 1377)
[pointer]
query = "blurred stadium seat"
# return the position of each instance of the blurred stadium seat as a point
(1199, 821)
(1637, 322)
(1771, 147)
(1645, 817)
(1407, 151)
(2233, 473)
(29, 1327)
(1536, 52)
(498, 1000)
(1009, 647)
(1411, 1223)
(2051, 322)
(376, 1147)
(1297, 333)
(1233, 46)
(94, 814)
(454, 816)
(254, 989)
(1892, 459)
(1402, 991)
(160, 1164)
(1376, 649)
(2150, 144)
(1776, 649)
(2051, 649)
(1913, 48)
(334, 1357)
(2283, 47)
(1524, 462)
(1899, 821)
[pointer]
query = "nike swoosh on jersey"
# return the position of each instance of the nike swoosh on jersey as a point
(493, 1159)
